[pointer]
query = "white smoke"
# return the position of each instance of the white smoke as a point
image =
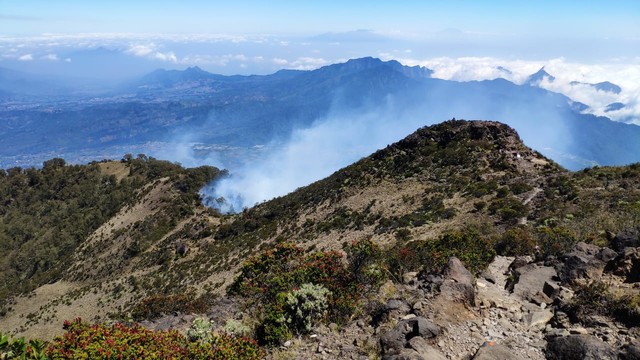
(310, 155)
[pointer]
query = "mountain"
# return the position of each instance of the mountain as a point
(614, 107)
(605, 86)
(539, 76)
(147, 246)
(241, 112)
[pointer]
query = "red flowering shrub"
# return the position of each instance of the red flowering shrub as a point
(119, 341)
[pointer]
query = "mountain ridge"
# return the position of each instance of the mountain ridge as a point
(442, 185)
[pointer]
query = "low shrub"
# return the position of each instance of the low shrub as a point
(271, 278)
(119, 341)
(153, 307)
(200, 330)
(305, 306)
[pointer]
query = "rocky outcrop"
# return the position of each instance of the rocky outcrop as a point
(579, 347)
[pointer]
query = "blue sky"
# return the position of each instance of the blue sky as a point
(116, 40)
(572, 19)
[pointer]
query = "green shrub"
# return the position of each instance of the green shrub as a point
(516, 241)
(153, 307)
(305, 306)
(200, 330)
(268, 278)
(367, 262)
(237, 328)
(473, 249)
(555, 240)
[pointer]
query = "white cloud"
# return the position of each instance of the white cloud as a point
(217, 60)
(279, 61)
(308, 63)
(50, 57)
(26, 57)
(625, 74)
(150, 51)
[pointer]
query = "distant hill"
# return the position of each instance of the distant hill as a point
(605, 86)
(245, 111)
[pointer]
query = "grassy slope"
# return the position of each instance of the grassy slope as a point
(449, 176)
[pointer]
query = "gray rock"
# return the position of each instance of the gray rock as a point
(531, 280)
(458, 292)
(489, 276)
(579, 347)
(581, 266)
(626, 264)
(426, 351)
(392, 342)
(458, 284)
(395, 304)
(493, 351)
(538, 318)
(395, 340)
(626, 238)
(606, 254)
(519, 262)
(456, 271)
(551, 289)
(631, 351)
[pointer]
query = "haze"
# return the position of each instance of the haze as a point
(107, 43)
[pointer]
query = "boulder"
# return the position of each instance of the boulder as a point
(491, 350)
(417, 349)
(458, 284)
(456, 271)
(424, 350)
(581, 265)
(626, 238)
(626, 264)
(531, 280)
(579, 347)
(538, 318)
(395, 340)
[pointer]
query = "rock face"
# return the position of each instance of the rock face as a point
(580, 347)
(458, 284)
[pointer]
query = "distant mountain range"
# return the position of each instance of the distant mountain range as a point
(245, 111)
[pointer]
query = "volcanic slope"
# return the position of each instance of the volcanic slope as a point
(455, 176)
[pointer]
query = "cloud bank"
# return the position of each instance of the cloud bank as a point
(624, 73)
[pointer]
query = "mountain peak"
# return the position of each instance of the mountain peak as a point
(366, 63)
(195, 69)
(538, 77)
